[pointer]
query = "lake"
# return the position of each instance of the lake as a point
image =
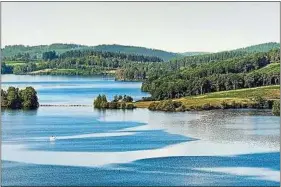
(132, 147)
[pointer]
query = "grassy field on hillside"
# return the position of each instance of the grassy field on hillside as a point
(241, 96)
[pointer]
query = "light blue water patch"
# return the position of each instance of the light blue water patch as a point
(73, 89)
(145, 140)
(19, 126)
(33, 128)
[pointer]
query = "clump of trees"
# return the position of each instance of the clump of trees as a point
(276, 108)
(119, 102)
(14, 98)
(100, 101)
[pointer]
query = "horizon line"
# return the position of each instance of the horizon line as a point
(126, 45)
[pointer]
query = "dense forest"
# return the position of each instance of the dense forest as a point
(35, 52)
(76, 62)
(14, 98)
(152, 71)
(128, 66)
(217, 75)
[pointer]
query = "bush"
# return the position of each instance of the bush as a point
(276, 108)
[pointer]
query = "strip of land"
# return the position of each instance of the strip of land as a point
(241, 96)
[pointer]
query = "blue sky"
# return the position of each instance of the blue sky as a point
(171, 26)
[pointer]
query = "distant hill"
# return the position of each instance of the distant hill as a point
(12, 50)
(265, 47)
(211, 57)
(138, 50)
(37, 51)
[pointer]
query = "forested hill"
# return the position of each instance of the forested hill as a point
(37, 51)
(75, 62)
(265, 47)
(205, 58)
(138, 51)
(251, 70)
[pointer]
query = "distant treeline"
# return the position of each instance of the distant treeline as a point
(84, 62)
(14, 98)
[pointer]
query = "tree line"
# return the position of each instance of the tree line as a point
(85, 62)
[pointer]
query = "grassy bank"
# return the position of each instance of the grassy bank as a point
(243, 97)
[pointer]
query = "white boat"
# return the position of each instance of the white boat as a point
(52, 138)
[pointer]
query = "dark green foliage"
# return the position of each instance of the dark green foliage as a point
(137, 51)
(50, 55)
(25, 68)
(276, 108)
(14, 98)
(36, 52)
(230, 74)
(29, 98)
(265, 47)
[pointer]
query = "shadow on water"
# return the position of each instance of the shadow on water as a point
(17, 112)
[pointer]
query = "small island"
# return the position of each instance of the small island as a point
(119, 102)
(15, 98)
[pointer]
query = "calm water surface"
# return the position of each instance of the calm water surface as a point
(132, 147)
